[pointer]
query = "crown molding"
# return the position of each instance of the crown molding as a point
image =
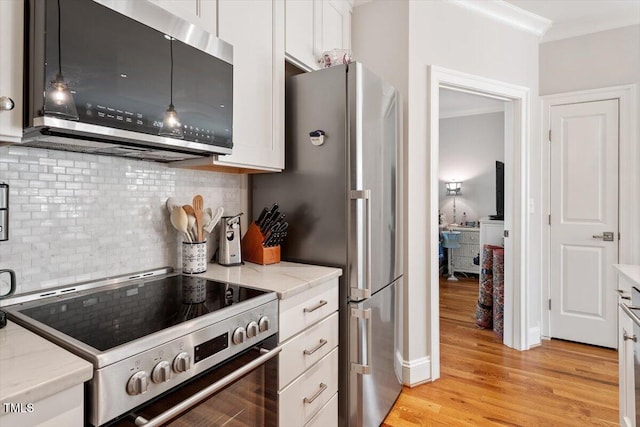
(583, 27)
(508, 14)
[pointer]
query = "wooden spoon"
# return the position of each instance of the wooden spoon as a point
(198, 206)
(180, 221)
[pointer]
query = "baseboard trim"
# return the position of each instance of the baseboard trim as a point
(413, 372)
(535, 337)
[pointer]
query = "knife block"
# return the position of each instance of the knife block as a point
(253, 251)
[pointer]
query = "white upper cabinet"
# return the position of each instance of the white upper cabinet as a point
(336, 25)
(11, 55)
(199, 12)
(315, 26)
(255, 28)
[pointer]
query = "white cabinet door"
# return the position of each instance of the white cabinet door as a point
(255, 28)
(315, 26)
(302, 33)
(11, 47)
(336, 25)
(199, 12)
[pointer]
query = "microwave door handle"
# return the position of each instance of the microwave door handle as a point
(207, 392)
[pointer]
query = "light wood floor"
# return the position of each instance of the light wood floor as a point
(484, 383)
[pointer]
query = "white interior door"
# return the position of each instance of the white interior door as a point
(584, 209)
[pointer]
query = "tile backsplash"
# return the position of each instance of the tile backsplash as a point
(76, 217)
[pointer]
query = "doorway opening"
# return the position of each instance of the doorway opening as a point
(471, 209)
(516, 116)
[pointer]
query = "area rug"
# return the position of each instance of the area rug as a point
(498, 291)
(484, 309)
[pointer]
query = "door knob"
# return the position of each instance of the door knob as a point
(607, 236)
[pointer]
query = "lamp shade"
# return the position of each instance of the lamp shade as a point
(59, 101)
(171, 126)
(454, 188)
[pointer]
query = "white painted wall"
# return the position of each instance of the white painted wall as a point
(603, 59)
(469, 148)
(443, 34)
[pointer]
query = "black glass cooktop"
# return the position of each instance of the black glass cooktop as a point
(115, 316)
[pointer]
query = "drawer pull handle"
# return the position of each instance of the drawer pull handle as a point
(316, 348)
(315, 307)
(322, 388)
(629, 337)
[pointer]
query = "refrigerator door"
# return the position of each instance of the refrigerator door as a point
(374, 131)
(374, 383)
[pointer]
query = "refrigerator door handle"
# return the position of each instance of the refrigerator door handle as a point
(363, 293)
(363, 368)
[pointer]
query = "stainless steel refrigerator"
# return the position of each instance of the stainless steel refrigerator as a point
(341, 196)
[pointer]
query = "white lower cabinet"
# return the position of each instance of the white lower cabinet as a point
(327, 416)
(65, 408)
(307, 394)
(307, 348)
(308, 362)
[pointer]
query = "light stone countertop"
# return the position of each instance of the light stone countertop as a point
(285, 278)
(630, 271)
(32, 368)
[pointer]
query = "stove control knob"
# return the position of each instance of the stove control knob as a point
(239, 336)
(138, 383)
(263, 324)
(161, 372)
(252, 329)
(182, 362)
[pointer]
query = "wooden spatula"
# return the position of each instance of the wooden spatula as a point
(198, 206)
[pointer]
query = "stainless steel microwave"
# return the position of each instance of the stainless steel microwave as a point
(125, 64)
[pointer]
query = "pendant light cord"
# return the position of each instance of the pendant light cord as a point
(171, 80)
(59, 41)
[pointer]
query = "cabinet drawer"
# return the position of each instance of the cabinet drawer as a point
(328, 416)
(304, 397)
(467, 250)
(470, 237)
(306, 348)
(302, 310)
(465, 264)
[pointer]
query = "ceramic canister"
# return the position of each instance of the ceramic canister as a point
(194, 257)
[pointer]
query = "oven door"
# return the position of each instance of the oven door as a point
(240, 392)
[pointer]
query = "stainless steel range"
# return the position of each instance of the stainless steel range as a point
(160, 333)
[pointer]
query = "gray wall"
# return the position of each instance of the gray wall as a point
(469, 148)
(607, 58)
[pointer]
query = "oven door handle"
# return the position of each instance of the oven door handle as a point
(207, 392)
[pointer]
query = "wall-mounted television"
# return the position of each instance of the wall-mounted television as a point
(499, 192)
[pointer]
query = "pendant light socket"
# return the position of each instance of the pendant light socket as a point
(59, 100)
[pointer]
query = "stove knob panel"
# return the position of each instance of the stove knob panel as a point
(263, 324)
(239, 336)
(161, 372)
(138, 383)
(252, 329)
(182, 362)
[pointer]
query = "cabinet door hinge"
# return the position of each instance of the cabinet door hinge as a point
(549, 219)
(549, 135)
(549, 303)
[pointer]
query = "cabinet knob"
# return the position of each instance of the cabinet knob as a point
(6, 103)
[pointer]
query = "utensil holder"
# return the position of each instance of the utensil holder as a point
(194, 257)
(253, 251)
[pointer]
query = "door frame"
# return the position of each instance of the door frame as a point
(517, 126)
(628, 166)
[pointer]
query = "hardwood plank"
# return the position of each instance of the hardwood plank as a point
(484, 383)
